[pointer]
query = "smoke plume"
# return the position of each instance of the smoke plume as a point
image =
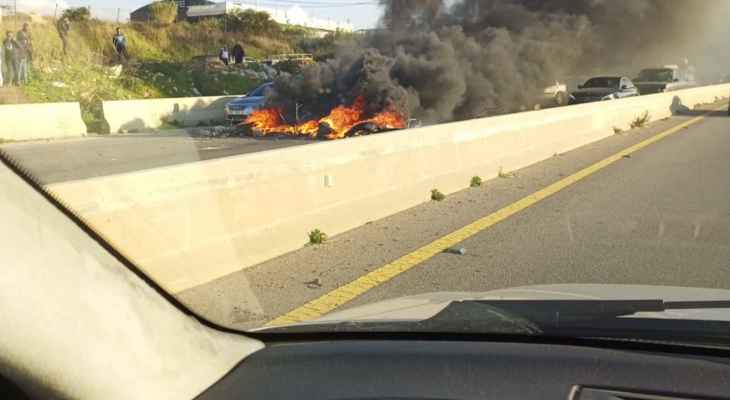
(440, 61)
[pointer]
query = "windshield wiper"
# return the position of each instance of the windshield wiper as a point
(559, 318)
(557, 312)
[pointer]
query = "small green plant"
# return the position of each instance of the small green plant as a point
(617, 131)
(506, 175)
(641, 121)
(317, 237)
(436, 195)
(476, 181)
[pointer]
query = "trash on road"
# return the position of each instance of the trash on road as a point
(459, 251)
(315, 284)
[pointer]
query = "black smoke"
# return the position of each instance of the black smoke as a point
(441, 61)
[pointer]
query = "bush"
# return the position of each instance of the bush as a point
(476, 181)
(163, 12)
(317, 237)
(436, 195)
(641, 121)
(77, 14)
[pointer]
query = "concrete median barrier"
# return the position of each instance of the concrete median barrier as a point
(41, 121)
(189, 224)
(138, 115)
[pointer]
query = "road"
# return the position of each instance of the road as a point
(659, 216)
(56, 161)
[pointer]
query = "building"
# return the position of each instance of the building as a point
(291, 16)
(143, 14)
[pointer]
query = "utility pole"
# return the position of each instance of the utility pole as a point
(118, 11)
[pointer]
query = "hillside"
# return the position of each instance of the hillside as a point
(162, 63)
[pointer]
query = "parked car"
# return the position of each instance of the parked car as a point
(555, 95)
(604, 88)
(240, 108)
(666, 79)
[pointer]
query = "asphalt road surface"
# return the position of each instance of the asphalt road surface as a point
(659, 216)
(56, 161)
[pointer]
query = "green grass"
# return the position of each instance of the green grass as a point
(641, 121)
(161, 64)
(436, 195)
(317, 237)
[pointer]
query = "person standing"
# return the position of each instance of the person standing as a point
(238, 53)
(224, 56)
(25, 39)
(24, 55)
(64, 26)
(10, 48)
(2, 66)
(120, 45)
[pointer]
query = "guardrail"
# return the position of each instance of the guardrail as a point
(303, 58)
(41, 121)
(137, 115)
(188, 224)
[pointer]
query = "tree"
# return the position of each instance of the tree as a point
(163, 12)
(77, 14)
(253, 23)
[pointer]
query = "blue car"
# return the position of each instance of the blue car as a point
(239, 109)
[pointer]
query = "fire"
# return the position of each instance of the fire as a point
(340, 121)
(269, 120)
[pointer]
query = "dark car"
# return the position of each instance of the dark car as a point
(666, 79)
(604, 88)
(239, 109)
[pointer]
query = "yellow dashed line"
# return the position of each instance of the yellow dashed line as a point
(344, 294)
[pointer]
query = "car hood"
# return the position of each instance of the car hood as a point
(242, 101)
(424, 306)
(593, 92)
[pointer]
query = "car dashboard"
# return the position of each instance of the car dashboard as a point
(475, 369)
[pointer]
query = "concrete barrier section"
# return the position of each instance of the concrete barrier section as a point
(41, 121)
(189, 224)
(138, 115)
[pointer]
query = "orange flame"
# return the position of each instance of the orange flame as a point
(341, 120)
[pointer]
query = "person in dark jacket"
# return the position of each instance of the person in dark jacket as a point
(63, 26)
(120, 45)
(23, 55)
(238, 53)
(10, 62)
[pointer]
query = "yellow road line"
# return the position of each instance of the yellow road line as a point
(344, 294)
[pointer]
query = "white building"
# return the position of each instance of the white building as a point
(294, 15)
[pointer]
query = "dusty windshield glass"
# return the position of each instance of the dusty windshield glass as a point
(656, 75)
(602, 83)
(285, 162)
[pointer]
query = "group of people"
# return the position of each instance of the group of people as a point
(16, 56)
(234, 56)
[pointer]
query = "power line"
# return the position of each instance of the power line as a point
(309, 4)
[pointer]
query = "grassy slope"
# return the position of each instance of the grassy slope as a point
(161, 64)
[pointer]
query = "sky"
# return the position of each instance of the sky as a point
(360, 13)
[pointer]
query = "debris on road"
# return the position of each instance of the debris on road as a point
(220, 131)
(459, 251)
(315, 284)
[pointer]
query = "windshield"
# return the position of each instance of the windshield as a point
(404, 149)
(656, 75)
(260, 91)
(612, 83)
